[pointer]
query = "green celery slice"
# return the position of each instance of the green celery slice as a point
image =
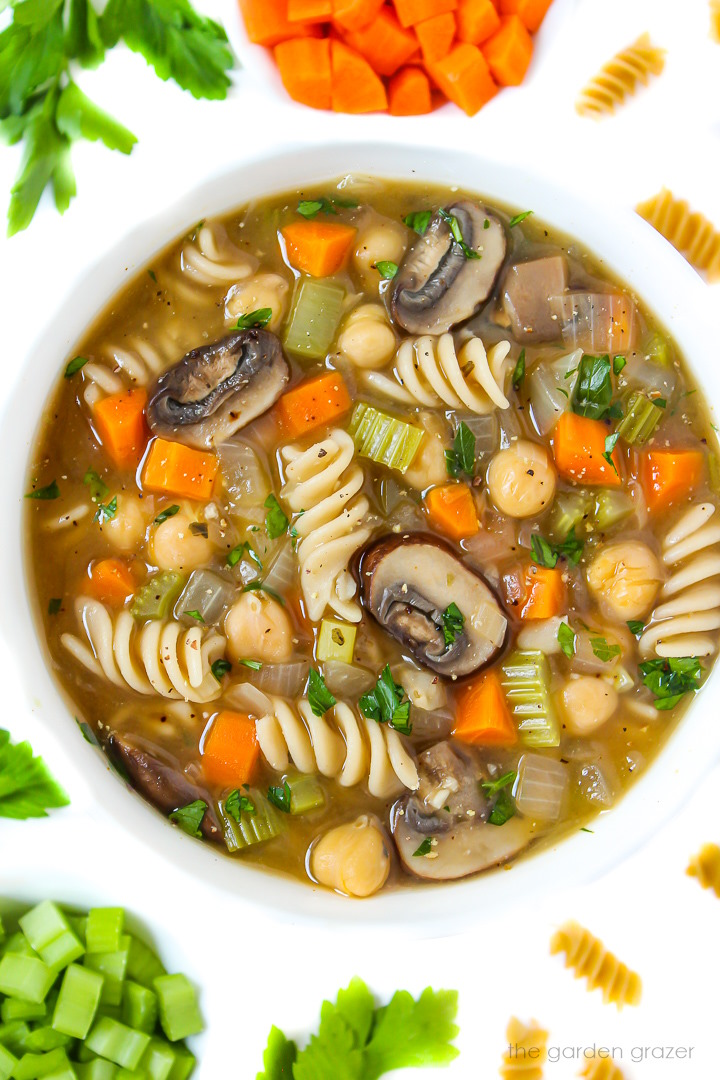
(103, 929)
(156, 598)
(113, 967)
(526, 685)
(34, 1066)
(14, 1009)
(25, 977)
(640, 420)
(13, 1035)
(8, 1062)
(265, 824)
(143, 964)
(178, 1005)
(315, 317)
(139, 1007)
(98, 1069)
(384, 438)
(184, 1064)
(569, 511)
(117, 1042)
(306, 792)
(43, 924)
(336, 641)
(158, 1060)
(78, 1001)
(63, 950)
(612, 507)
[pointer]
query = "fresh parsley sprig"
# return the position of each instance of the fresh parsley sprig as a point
(385, 703)
(27, 790)
(669, 680)
(456, 232)
(461, 459)
(453, 623)
(546, 553)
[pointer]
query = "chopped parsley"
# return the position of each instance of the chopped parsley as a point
(27, 790)
(54, 605)
(75, 365)
(48, 493)
(168, 512)
(310, 208)
(453, 622)
(276, 522)
(280, 795)
(259, 586)
(610, 442)
(386, 269)
(603, 650)
(670, 679)
(189, 817)
(319, 697)
(566, 639)
(254, 665)
(385, 703)
(233, 557)
(199, 528)
(424, 849)
(98, 488)
(220, 668)
(636, 626)
(194, 614)
(518, 374)
(504, 806)
(661, 402)
(261, 317)
(152, 275)
(619, 363)
(106, 511)
(592, 396)
(237, 804)
(545, 553)
(456, 233)
(492, 787)
(461, 459)
(519, 217)
(419, 221)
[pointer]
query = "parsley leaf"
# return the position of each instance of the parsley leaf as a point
(603, 650)
(310, 208)
(54, 605)
(106, 511)
(194, 614)
(276, 522)
(220, 668)
(462, 456)
(319, 697)
(593, 391)
(636, 626)
(260, 317)
(545, 553)
(518, 374)
(77, 117)
(237, 804)
(385, 703)
(610, 442)
(519, 217)
(199, 528)
(189, 818)
(48, 493)
(456, 233)
(168, 512)
(254, 665)
(75, 365)
(419, 221)
(233, 557)
(619, 363)
(98, 488)
(453, 622)
(259, 586)
(424, 848)
(280, 795)
(669, 680)
(566, 638)
(27, 790)
(492, 787)
(504, 806)
(386, 269)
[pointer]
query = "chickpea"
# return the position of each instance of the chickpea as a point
(174, 547)
(624, 578)
(521, 479)
(264, 291)
(429, 466)
(257, 626)
(381, 240)
(587, 703)
(352, 859)
(425, 689)
(126, 530)
(367, 339)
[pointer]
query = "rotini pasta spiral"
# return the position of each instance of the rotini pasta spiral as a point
(135, 365)
(432, 372)
(682, 624)
(211, 259)
(619, 77)
(590, 960)
(526, 1051)
(691, 233)
(705, 866)
(161, 657)
(322, 486)
(349, 749)
(602, 1069)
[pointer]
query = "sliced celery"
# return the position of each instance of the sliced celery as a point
(112, 966)
(612, 507)
(97, 1069)
(155, 599)
(43, 924)
(13, 1035)
(25, 977)
(63, 950)
(306, 792)
(526, 685)
(42, 1039)
(117, 1042)
(139, 1007)
(658, 349)
(177, 1002)
(184, 1064)
(18, 943)
(33, 1066)
(383, 438)
(2, 931)
(143, 965)
(8, 1062)
(103, 929)
(640, 420)
(264, 824)
(13, 1009)
(78, 1001)
(158, 1060)
(315, 317)
(569, 511)
(336, 641)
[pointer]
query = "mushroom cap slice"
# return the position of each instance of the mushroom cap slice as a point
(466, 849)
(217, 389)
(407, 582)
(437, 285)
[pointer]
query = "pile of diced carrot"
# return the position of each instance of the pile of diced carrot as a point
(401, 56)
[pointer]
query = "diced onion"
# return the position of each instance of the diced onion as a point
(594, 785)
(248, 698)
(243, 476)
(285, 680)
(550, 387)
(347, 680)
(596, 322)
(283, 573)
(540, 787)
(542, 634)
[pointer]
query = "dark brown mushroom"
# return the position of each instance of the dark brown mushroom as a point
(527, 289)
(438, 285)
(408, 582)
(218, 389)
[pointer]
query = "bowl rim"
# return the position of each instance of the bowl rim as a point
(623, 243)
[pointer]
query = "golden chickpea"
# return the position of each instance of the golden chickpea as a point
(367, 339)
(587, 703)
(173, 546)
(429, 466)
(126, 530)
(257, 626)
(263, 291)
(352, 859)
(624, 577)
(521, 479)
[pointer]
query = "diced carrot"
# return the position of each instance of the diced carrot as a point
(355, 14)
(310, 11)
(112, 580)
(384, 44)
(477, 20)
(535, 592)
(668, 476)
(304, 66)
(356, 88)
(409, 93)
(436, 36)
(267, 23)
(230, 750)
(414, 11)
(119, 422)
(451, 509)
(464, 77)
(318, 247)
(578, 446)
(313, 403)
(509, 51)
(176, 469)
(483, 716)
(530, 12)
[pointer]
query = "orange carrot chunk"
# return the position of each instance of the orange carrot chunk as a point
(112, 581)
(318, 248)
(464, 77)
(119, 422)
(410, 12)
(409, 93)
(355, 14)
(176, 469)
(530, 12)
(230, 750)
(667, 476)
(313, 403)
(310, 11)
(451, 509)
(436, 36)
(355, 86)
(482, 713)
(535, 592)
(509, 52)
(304, 66)
(267, 23)
(385, 44)
(477, 20)
(578, 446)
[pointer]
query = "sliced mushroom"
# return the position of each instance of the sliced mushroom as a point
(156, 777)
(527, 289)
(446, 820)
(407, 582)
(437, 285)
(218, 389)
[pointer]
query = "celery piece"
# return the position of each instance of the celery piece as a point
(177, 1002)
(97, 1069)
(316, 313)
(640, 420)
(117, 1042)
(611, 507)
(103, 929)
(657, 349)
(34, 1066)
(13, 1035)
(143, 965)
(184, 1064)
(18, 944)
(42, 1039)
(383, 438)
(155, 599)
(139, 1007)
(78, 1001)
(112, 966)
(63, 950)
(43, 924)
(158, 1060)
(13, 1009)
(25, 977)
(569, 511)
(336, 641)
(8, 1062)
(526, 685)
(306, 792)
(265, 824)
(78, 925)
(2, 931)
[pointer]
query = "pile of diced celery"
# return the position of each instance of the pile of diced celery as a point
(80, 999)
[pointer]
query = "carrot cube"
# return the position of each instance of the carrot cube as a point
(668, 476)
(409, 93)
(483, 716)
(476, 20)
(313, 403)
(530, 12)
(464, 77)
(410, 12)
(509, 52)
(310, 11)
(355, 14)
(578, 447)
(304, 66)
(267, 23)
(356, 88)
(112, 581)
(230, 750)
(176, 469)
(319, 248)
(451, 509)
(436, 36)
(385, 44)
(119, 422)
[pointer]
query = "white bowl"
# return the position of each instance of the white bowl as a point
(627, 247)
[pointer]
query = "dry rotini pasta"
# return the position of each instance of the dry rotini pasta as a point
(526, 1051)
(323, 485)
(602, 1069)
(683, 623)
(705, 866)
(690, 232)
(590, 960)
(433, 372)
(349, 747)
(619, 77)
(160, 657)
(715, 19)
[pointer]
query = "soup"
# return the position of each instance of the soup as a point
(373, 534)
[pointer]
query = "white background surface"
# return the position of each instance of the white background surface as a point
(254, 972)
